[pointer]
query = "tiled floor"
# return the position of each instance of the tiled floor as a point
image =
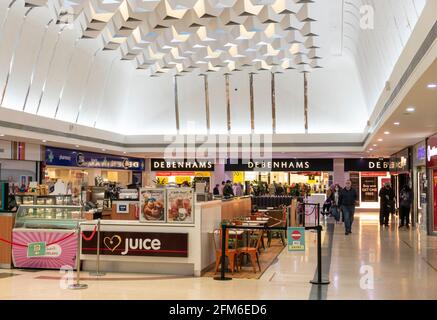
(401, 263)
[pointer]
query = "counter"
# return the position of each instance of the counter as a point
(7, 220)
(133, 246)
(162, 248)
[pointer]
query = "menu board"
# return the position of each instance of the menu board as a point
(152, 204)
(369, 189)
(180, 205)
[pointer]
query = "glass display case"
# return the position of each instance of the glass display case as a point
(48, 217)
(43, 200)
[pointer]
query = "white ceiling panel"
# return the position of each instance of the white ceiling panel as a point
(26, 52)
(289, 102)
(191, 98)
(240, 102)
(262, 102)
(58, 74)
(151, 110)
(93, 94)
(217, 103)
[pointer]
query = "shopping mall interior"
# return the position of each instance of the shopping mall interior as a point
(218, 150)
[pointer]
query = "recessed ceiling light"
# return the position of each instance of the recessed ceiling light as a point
(380, 140)
(44, 141)
(103, 149)
(124, 152)
(370, 149)
(432, 85)
(2, 135)
(386, 132)
(397, 123)
(375, 145)
(77, 146)
(411, 109)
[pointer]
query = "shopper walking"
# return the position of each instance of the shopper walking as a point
(222, 187)
(387, 196)
(238, 191)
(348, 200)
(335, 203)
(406, 199)
(272, 188)
(228, 192)
(328, 202)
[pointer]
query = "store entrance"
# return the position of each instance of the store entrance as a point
(420, 197)
(398, 182)
(288, 182)
(434, 193)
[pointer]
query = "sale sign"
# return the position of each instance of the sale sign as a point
(296, 239)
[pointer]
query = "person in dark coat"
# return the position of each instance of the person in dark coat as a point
(12, 203)
(228, 191)
(406, 200)
(348, 201)
(216, 190)
(387, 203)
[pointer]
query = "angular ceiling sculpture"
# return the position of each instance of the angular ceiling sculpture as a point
(204, 35)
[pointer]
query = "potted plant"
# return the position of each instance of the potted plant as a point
(159, 183)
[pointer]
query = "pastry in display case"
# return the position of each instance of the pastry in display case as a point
(48, 235)
(43, 200)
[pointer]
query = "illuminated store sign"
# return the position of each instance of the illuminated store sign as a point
(181, 165)
(73, 158)
(156, 244)
(367, 164)
(290, 165)
(432, 152)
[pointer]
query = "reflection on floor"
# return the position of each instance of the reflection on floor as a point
(6, 275)
(372, 263)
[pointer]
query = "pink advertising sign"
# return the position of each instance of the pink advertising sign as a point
(56, 255)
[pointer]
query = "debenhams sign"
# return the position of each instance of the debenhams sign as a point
(282, 165)
(181, 165)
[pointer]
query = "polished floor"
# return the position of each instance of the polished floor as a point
(371, 263)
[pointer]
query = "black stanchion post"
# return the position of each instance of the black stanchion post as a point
(303, 214)
(318, 214)
(223, 262)
(319, 259)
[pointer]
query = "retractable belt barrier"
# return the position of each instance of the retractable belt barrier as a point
(53, 242)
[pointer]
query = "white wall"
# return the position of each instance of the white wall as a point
(12, 170)
(5, 149)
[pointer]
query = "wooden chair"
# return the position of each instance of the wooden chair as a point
(231, 254)
(251, 251)
(279, 219)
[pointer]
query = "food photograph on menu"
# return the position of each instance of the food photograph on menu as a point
(152, 204)
(180, 205)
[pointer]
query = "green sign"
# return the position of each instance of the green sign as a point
(36, 249)
(296, 239)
